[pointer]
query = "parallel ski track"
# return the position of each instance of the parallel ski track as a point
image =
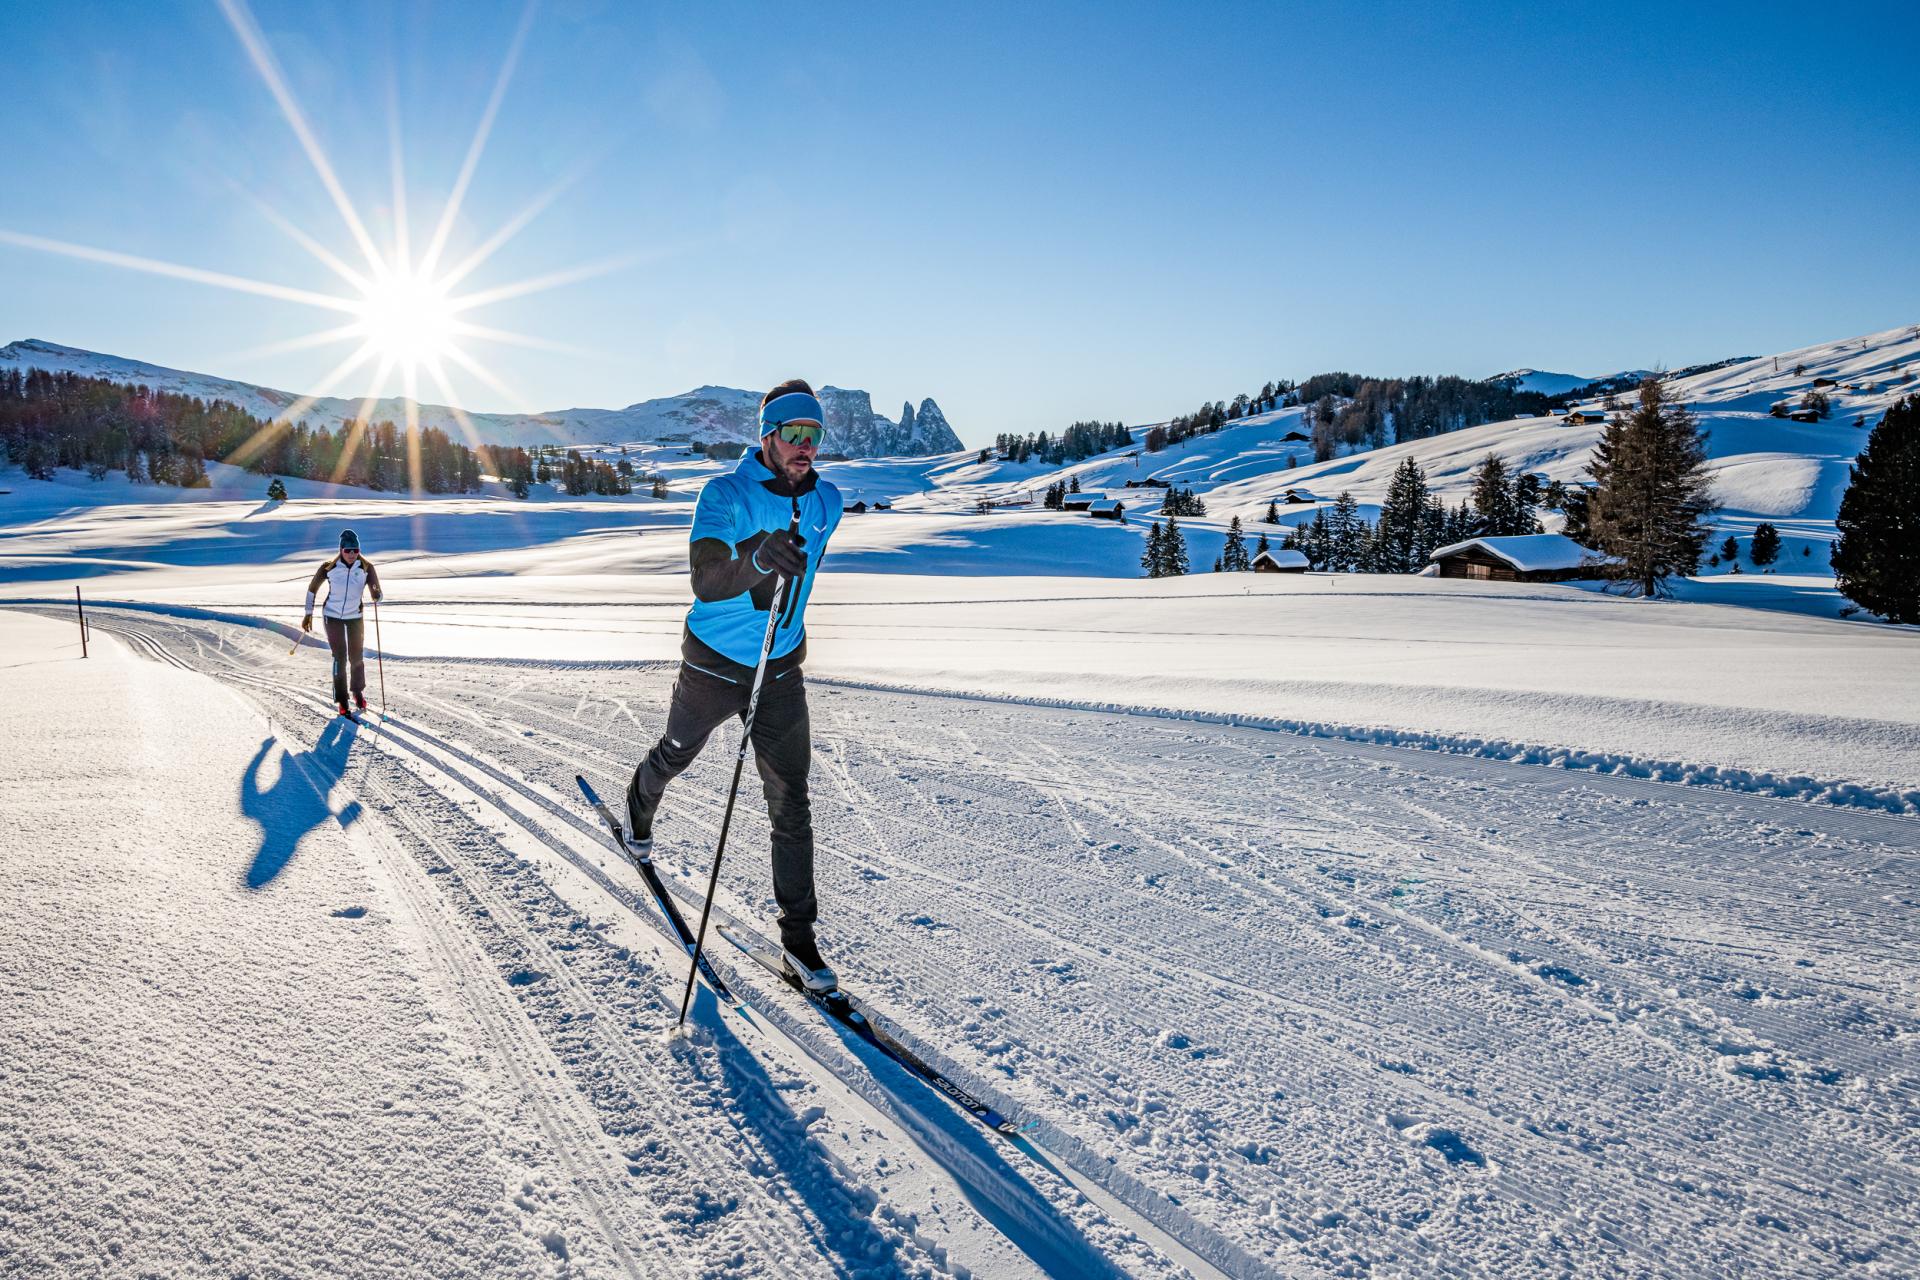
(573, 1136)
(1554, 921)
(697, 1158)
(1041, 921)
(1198, 1246)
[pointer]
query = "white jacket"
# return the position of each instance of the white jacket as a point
(344, 585)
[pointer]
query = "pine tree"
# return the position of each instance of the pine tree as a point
(1234, 555)
(1401, 533)
(1527, 496)
(1766, 544)
(1877, 557)
(1173, 550)
(1730, 550)
(1493, 497)
(1153, 559)
(1344, 532)
(1651, 490)
(277, 491)
(1261, 547)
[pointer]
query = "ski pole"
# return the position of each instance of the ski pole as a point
(298, 636)
(739, 764)
(380, 656)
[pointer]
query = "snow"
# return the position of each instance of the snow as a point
(1310, 924)
(1544, 381)
(1528, 553)
(1268, 1003)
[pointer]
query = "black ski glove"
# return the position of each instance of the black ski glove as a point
(777, 551)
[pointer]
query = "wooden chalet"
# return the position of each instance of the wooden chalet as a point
(1532, 557)
(1108, 509)
(858, 508)
(1078, 501)
(1580, 417)
(1280, 560)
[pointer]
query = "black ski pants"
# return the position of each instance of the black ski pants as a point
(344, 638)
(782, 751)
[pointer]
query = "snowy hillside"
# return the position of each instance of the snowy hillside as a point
(1546, 383)
(705, 413)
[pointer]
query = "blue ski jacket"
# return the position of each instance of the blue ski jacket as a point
(731, 509)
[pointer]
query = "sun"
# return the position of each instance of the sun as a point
(407, 318)
(404, 314)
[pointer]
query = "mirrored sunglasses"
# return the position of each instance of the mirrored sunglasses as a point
(802, 432)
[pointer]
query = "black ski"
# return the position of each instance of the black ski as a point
(655, 886)
(850, 1013)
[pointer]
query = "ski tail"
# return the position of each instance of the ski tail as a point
(600, 807)
(656, 888)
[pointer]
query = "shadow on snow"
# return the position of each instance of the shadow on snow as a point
(296, 801)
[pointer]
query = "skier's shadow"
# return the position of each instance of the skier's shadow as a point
(296, 803)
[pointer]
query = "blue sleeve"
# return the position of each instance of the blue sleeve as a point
(717, 514)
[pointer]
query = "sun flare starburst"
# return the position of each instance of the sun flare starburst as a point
(404, 317)
(408, 317)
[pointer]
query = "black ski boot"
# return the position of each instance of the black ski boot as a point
(639, 833)
(804, 963)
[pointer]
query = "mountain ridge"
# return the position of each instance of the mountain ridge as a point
(709, 412)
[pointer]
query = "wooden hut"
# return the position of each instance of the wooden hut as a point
(1532, 557)
(1108, 509)
(1281, 560)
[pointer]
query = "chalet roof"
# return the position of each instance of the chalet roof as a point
(1106, 504)
(1283, 558)
(1077, 501)
(1528, 552)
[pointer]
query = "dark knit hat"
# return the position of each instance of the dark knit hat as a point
(349, 540)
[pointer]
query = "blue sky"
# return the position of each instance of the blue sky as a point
(1032, 213)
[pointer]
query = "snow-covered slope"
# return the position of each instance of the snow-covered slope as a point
(1543, 381)
(705, 413)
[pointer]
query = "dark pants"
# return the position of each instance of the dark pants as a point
(782, 751)
(343, 637)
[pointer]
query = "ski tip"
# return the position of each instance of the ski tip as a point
(586, 789)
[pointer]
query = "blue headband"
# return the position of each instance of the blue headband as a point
(794, 406)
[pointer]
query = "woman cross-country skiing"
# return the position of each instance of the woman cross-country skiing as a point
(743, 545)
(347, 575)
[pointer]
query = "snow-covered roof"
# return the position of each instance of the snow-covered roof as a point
(1283, 558)
(1105, 504)
(1529, 552)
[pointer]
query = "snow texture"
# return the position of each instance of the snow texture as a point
(1269, 1004)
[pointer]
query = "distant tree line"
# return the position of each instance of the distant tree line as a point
(51, 420)
(1081, 440)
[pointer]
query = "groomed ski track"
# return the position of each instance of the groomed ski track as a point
(1271, 1005)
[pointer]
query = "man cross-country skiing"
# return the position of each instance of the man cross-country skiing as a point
(741, 548)
(347, 575)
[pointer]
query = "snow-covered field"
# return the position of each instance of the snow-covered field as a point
(1270, 1004)
(1317, 925)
